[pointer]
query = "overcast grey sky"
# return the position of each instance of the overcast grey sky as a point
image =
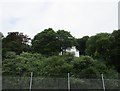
(79, 17)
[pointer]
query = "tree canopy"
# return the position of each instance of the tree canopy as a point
(98, 46)
(81, 45)
(49, 42)
(65, 39)
(100, 53)
(46, 43)
(115, 49)
(16, 42)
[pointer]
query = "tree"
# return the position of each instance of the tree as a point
(16, 42)
(81, 45)
(55, 66)
(49, 42)
(23, 64)
(81, 63)
(115, 49)
(46, 42)
(65, 39)
(99, 46)
(89, 73)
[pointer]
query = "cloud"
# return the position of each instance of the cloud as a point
(80, 18)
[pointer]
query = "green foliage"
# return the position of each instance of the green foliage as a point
(89, 73)
(82, 63)
(46, 42)
(115, 49)
(20, 64)
(104, 46)
(81, 44)
(98, 46)
(65, 39)
(54, 66)
(16, 42)
(44, 59)
(49, 42)
(10, 55)
(101, 67)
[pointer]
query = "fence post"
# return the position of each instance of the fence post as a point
(103, 82)
(31, 81)
(68, 81)
(0, 62)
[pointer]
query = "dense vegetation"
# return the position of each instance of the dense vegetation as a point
(98, 54)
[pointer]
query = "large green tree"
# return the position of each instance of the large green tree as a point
(81, 45)
(46, 42)
(15, 41)
(49, 42)
(23, 64)
(115, 49)
(53, 66)
(65, 39)
(99, 46)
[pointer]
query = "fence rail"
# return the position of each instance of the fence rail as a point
(68, 83)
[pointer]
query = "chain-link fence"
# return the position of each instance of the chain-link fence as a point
(67, 83)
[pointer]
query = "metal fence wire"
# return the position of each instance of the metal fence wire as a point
(67, 82)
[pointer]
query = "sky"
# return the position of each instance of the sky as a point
(79, 17)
